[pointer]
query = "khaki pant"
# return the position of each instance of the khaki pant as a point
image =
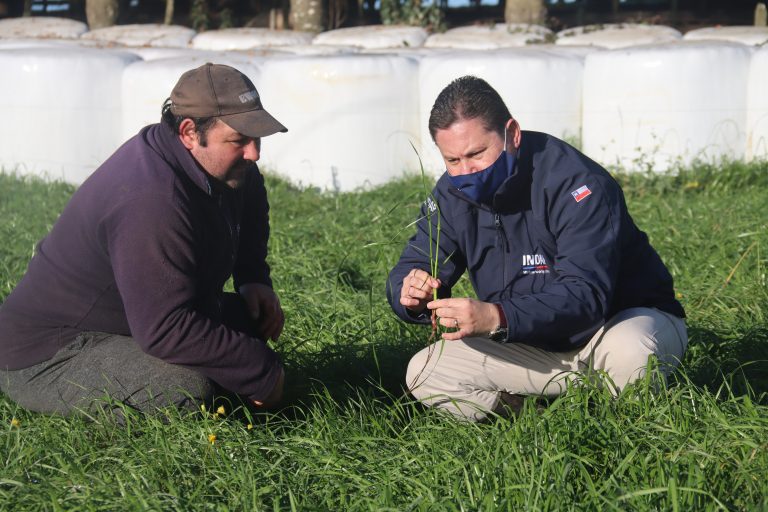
(468, 377)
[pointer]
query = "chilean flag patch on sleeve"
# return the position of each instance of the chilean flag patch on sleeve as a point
(581, 193)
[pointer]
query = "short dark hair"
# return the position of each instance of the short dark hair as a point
(172, 121)
(468, 97)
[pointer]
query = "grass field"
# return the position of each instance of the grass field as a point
(349, 439)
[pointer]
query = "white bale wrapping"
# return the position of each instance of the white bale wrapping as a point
(143, 35)
(757, 106)
(319, 49)
(483, 37)
(416, 53)
(62, 109)
(246, 38)
(750, 35)
(24, 42)
(151, 53)
(541, 88)
(350, 118)
(374, 36)
(42, 27)
(657, 105)
(618, 35)
(147, 84)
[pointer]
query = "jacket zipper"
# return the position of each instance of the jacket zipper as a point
(500, 234)
(229, 226)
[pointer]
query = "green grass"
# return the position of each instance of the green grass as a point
(350, 440)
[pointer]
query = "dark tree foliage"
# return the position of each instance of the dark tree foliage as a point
(683, 14)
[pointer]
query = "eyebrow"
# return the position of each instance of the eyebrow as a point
(469, 154)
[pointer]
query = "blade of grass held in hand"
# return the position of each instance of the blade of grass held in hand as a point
(431, 208)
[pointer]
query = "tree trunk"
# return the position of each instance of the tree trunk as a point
(101, 13)
(168, 12)
(27, 8)
(761, 15)
(307, 15)
(525, 11)
(276, 19)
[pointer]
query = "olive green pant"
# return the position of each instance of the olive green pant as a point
(101, 370)
(470, 378)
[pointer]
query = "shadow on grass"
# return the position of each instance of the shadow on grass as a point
(732, 365)
(735, 364)
(342, 372)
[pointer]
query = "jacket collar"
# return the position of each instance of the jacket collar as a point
(514, 194)
(169, 147)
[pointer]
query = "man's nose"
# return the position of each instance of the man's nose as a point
(252, 151)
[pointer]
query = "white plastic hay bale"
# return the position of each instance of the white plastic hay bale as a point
(617, 35)
(151, 53)
(42, 27)
(246, 38)
(757, 106)
(374, 36)
(15, 43)
(658, 105)
(350, 118)
(414, 53)
(541, 87)
(143, 35)
(319, 49)
(156, 53)
(572, 50)
(62, 109)
(147, 84)
(489, 37)
(738, 34)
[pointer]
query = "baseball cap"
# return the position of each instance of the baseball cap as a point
(217, 90)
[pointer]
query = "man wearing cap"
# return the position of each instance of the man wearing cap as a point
(124, 297)
(565, 281)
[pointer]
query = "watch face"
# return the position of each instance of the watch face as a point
(499, 334)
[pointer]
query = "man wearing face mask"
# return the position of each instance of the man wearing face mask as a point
(124, 297)
(565, 281)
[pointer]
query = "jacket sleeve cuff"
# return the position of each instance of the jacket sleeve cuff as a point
(267, 383)
(505, 310)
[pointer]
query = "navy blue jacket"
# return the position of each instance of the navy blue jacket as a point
(557, 249)
(143, 249)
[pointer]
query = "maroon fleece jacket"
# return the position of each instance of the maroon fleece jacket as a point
(143, 249)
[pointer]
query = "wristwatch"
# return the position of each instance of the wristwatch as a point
(500, 332)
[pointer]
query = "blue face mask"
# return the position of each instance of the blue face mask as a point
(482, 185)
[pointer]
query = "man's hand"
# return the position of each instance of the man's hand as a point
(417, 290)
(264, 306)
(275, 395)
(470, 317)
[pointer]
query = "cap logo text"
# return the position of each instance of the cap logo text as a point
(248, 96)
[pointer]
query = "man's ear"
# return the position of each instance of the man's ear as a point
(188, 134)
(514, 134)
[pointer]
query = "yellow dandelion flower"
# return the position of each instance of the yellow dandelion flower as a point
(202, 407)
(250, 426)
(15, 423)
(221, 410)
(691, 185)
(212, 438)
(215, 415)
(679, 295)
